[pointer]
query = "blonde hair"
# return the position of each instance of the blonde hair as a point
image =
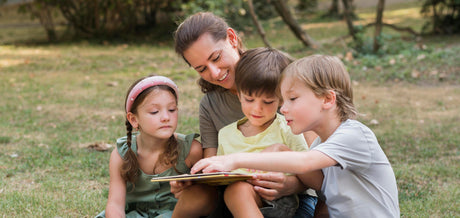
(322, 73)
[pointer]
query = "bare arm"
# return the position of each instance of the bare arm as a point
(287, 161)
(195, 154)
(117, 188)
(209, 152)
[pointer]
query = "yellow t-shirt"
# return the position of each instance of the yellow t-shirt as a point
(231, 140)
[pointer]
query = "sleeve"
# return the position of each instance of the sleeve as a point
(208, 130)
(220, 148)
(186, 141)
(349, 147)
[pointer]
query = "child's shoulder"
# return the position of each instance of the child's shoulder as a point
(353, 132)
(355, 126)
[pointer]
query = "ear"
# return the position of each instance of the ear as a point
(232, 37)
(329, 100)
(132, 119)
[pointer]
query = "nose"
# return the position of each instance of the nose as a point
(215, 71)
(164, 116)
(283, 109)
(258, 106)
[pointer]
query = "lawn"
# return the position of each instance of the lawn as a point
(59, 98)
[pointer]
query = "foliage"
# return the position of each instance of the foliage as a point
(445, 16)
(234, 11)
(307, 5)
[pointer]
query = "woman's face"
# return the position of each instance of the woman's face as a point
(215, 61)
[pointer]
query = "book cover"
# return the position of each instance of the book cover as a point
(220, 178)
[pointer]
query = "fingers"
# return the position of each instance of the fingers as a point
(208, 165)
(198, 166)
(268, 194)
(272, 176)
(178, 186)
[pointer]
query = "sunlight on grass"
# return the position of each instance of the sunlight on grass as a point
(56, 97)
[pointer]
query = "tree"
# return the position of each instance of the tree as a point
(285, 13)
(445, 16)
(378, 24)
(42, 10)
(259, 27)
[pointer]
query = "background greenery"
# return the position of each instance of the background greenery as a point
(56, 99)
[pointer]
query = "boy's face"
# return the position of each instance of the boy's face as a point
(301, 107)
(259, 110)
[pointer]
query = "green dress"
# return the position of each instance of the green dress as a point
(153, 199)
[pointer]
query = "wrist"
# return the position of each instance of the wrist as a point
(234, 161)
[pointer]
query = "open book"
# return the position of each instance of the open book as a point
(220, 178)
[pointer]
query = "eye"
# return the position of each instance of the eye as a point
(268, 102)
(173, 110)
(154, 112)
(217, 58)
(201, 70)
(248, 100)
(292, 99)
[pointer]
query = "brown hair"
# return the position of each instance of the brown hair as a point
(130, 167)
(259, 71)
(195, 26)
(322, 73)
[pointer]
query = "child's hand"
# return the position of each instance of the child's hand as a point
(178, 186)
(213, 164)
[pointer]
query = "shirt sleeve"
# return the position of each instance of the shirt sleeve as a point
(208, 130)
(350, 146)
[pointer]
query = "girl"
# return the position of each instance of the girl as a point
(358, 178)
(212, 48)
(156, 150)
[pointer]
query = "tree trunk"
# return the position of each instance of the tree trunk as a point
(41, 10)
(334, 9)
(347, 13)
(285, 13)
(378, 24)
(260, 29)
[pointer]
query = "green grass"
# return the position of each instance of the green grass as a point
(56, 98)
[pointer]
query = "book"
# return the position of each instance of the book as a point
(220, 178)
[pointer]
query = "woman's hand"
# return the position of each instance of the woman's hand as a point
(178, 186)
(273, 185)
(214, 164)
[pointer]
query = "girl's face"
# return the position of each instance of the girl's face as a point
(157, 114)
(301, 107)
(215, 61)
(259, 110)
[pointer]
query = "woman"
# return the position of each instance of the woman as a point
(212, 48)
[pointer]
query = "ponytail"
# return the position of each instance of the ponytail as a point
(130, 167)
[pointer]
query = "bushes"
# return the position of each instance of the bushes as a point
(445, 16)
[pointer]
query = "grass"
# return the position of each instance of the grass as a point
(56, 98)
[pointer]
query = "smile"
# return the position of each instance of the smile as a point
(223, 77)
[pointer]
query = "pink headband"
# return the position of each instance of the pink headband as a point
(145, 84)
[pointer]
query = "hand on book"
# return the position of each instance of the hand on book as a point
(178, 186)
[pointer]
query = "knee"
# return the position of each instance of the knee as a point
(241, 189)
(199, 195)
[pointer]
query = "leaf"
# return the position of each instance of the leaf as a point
(98, 146)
